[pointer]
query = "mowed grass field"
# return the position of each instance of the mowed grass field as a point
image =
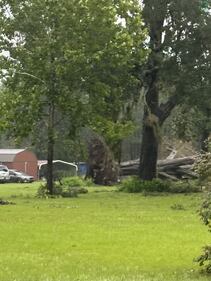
(103, 235)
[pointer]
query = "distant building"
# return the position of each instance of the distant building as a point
(22, 160)
(61, 169)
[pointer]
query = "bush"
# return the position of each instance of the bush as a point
(205, 211)
(178, 207)
(135, 185)
(203, 169)
(66, 187)
(76, 182)
(70, 192)
(204, 260)
(72, 186)
(62, 189)
(43, 192)
(185, 186)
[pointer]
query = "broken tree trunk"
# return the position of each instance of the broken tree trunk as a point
(168, 168)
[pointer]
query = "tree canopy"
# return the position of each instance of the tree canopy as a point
(173, 73)
(68, 58)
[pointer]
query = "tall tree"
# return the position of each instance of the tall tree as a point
(66, 58)
(176, 42)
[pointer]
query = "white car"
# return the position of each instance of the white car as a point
(4, 173)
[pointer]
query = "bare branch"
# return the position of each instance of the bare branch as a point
(31, 75)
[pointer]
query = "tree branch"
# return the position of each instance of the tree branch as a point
(166, 108)
(30, 75)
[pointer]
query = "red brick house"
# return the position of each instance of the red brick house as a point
(22, 160)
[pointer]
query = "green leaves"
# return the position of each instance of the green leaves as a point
(75, 55)
(204, 260)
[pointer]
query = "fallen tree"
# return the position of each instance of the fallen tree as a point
(173, 169)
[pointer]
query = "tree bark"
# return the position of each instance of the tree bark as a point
(152, 115)
(168, 168)
(150, 134)
(50, 150)
(149, 154)
(51, 124)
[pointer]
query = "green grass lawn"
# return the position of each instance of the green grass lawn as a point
(105, 236)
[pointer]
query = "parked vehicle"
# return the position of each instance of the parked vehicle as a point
(15, 176)
(4, 173)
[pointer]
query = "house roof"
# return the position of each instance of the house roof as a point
(44, 162)
(8, 155)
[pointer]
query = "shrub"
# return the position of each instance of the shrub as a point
(205, 211)
(66, 187)
(135, 185)
(203, 169)
(204, 260)
(72, 186)
(184, 186)
(43, 192)
(60, 190)
(76, 182)
(178, 207)
(70, 192)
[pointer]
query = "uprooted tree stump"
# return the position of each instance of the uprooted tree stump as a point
(102, 167)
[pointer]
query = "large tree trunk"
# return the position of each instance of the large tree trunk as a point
(50, 167)
(154, 118)
(154, 113)
(149, 154)
(50, 152)
(150, 134)
(51, 126)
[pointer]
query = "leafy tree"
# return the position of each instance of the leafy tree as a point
(173, 73)
(67, 58)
